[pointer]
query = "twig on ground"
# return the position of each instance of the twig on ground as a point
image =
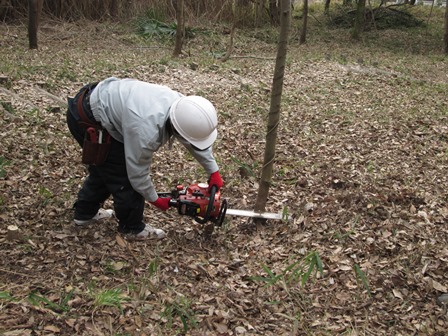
(52, 96)
(16, 96)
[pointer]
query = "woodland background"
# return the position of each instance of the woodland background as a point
(361, 162)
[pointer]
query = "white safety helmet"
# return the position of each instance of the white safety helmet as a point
(195, 119)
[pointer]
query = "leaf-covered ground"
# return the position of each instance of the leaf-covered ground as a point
(361, 168)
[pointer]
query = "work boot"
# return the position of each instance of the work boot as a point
(101, 214)
(149, 232)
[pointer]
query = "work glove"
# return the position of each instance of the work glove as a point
(215, 179)
(163, 203)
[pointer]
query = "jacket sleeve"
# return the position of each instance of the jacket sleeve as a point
(138, 161)
(205, 157)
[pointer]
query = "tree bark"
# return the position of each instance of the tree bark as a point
(327, 7)
(274, 11)
(259, 7)
(274, 110)
(180, 30)
(113, 8)
(359, 19)
(446, 29)
(232, 37)
(302, 39)
(34, 10)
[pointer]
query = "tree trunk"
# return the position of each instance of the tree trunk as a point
(259, 7)
(274, 11)
(327, 7)
(180, 31)
(302, 39)
(274, 110)
(232, 37)
(446, 29)
(34, 10)
(359, 19)
(59, 9)
(113, 8)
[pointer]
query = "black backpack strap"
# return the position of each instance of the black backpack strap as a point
(85, 120)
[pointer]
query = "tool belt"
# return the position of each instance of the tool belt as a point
(97, 140)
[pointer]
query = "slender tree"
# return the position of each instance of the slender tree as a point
(274, 110)
(113, 8)
(237, 16)
(274, 11)
(327, 7)
(232, 37)
(446, 29)
(34, 10)
(259, 9)
(302, 39)
(359, 19)
(180, 30)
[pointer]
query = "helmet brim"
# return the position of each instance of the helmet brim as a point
(205, 143)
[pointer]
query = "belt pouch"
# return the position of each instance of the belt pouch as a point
(93, 152)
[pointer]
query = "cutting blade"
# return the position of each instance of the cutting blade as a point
(253, 214)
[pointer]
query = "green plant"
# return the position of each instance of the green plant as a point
(371, 167)
(67, 71)
(378, 18)
(302, 269)
(285, 214)
(46, 195)
(61, 307)
(341, 236)
(6, 296)
(153, 266)
(3, 164)
(105, 65)
(164, 61)
(298, 270)
(7, 106)
(147, 283)
(110, 298)
(152, 28)
(180, 308)
(113, 267)
(271, 279)
(35, 115)
(361, 275)
(246, 169)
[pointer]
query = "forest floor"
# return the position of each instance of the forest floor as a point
(361, 168)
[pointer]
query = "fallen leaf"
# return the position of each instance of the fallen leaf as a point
(120, 241)
(397, 293)
(52, 328)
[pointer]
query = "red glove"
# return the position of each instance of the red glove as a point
(163, 203)
(215, 179)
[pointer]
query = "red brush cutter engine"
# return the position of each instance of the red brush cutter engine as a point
(197, 202)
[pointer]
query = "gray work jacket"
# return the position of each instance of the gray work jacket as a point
(135, 113)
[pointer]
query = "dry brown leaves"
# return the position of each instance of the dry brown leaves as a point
(361, 167)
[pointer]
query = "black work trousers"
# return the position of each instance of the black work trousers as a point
(108, 179)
